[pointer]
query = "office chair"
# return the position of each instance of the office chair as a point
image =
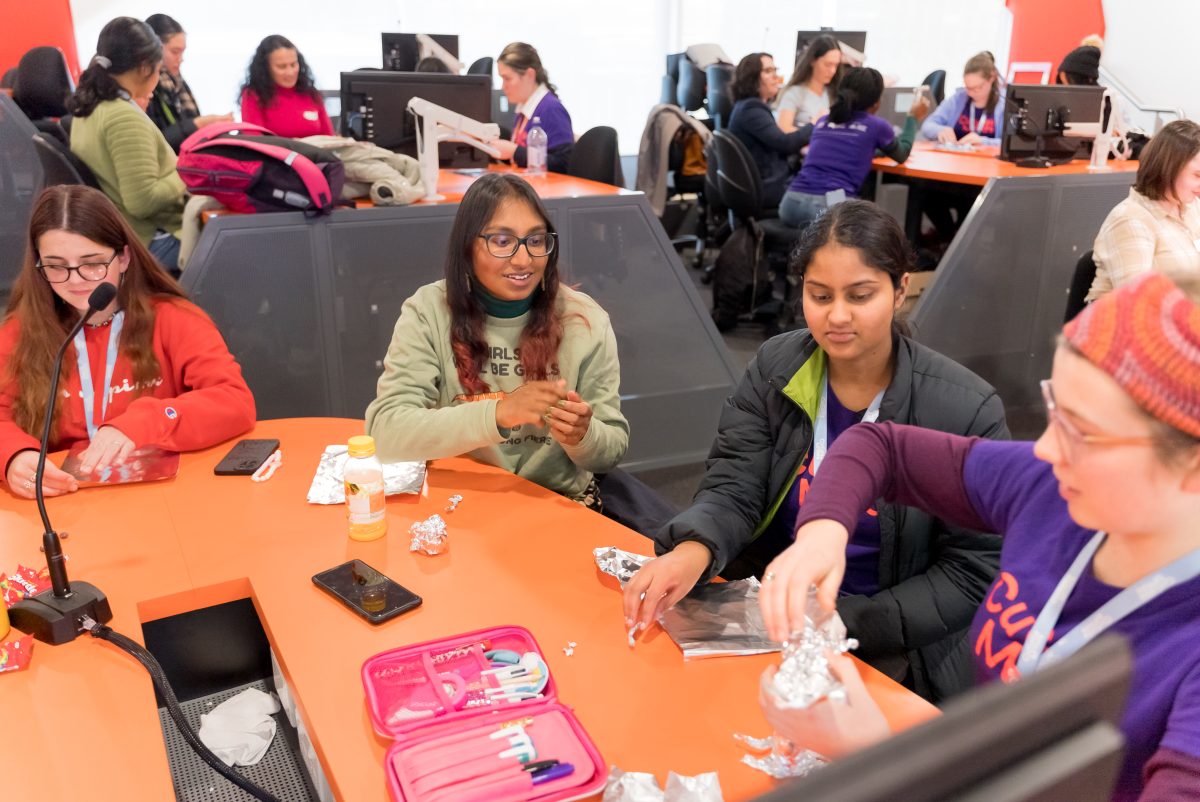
(691, 90)
(60, 165)
(10, 78)
(1081, 283)
(670, 80)
(43, 84)
(597, 157)
(481, 66)
(720, 94)
(936, 81)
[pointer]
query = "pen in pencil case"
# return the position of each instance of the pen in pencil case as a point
(496, 786)
(505, 730)
(454, 766)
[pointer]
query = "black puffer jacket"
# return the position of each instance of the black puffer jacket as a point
(933, 576)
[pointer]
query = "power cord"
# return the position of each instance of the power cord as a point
(159, 677)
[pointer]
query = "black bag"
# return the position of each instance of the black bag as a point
(741, 281)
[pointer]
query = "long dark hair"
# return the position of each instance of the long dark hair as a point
(859, 90)
(804, 67)
(544, 331)
(520, 56)
(45, 319)
(125, 44)
(861, 225)
(258, 74)
(984, 63)
(164, 26)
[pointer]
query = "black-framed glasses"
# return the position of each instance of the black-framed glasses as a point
(504, 246)
(88, 271)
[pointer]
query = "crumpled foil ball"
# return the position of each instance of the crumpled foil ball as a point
(430, 536)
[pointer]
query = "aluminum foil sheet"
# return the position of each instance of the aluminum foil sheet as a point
(783, 759)
(327, 488)
(430, 536)
(720, 619)
(634, 786)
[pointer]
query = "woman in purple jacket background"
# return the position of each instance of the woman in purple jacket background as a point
(527, 86)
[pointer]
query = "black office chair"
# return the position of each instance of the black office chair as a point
(481, 66)
(670, 80)
(1081, 283)
(597, 157)
(60, 165)
(720, 94)
(691, 90)
(9, 80)
(936, 81)
(43, 84)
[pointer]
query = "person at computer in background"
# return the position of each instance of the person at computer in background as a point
(812, 89)
(527, 86)
(755, 85)
(1080, 67)
(280, 93)
(974, 114)
(915, 581)
(1158, 226)
(112, 135)
(172, 107)
(162, 375)
(844, 143)
(500, 360)
(1102, 508)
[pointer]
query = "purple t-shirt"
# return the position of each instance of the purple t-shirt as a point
(977, 120)
(862, 553)
(1017, 494)
(840, 154)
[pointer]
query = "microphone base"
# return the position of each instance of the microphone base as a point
(56, 620)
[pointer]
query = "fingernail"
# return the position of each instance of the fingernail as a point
(628, 622)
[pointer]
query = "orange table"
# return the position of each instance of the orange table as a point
(975, 168)
(519, 554)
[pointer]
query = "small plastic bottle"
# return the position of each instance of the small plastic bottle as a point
(535, 147)
(365, 501)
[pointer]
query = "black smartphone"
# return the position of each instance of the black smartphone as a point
(366, 591)
(246, 457)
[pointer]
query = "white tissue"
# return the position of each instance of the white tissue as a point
(240, 730)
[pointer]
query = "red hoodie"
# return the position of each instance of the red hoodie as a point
(199, 400)
(290, 113)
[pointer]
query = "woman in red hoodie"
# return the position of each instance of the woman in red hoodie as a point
(155, 370)
(280, 93)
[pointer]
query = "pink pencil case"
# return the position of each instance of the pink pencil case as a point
(432, 699)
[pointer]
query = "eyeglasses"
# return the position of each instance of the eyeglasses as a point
(1071, 440)
(504, 246)
(88, 271)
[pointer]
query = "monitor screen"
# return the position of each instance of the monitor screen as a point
(375, 109)
(1049, 737)
(1035, 115)
(401, 52)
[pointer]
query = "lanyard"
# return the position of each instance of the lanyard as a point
(982, 118)
(85, 371)
(821, 425)
(1035, 655)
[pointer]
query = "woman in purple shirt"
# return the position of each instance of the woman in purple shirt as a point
(527, 86)
(842, 146)
(1102, 509)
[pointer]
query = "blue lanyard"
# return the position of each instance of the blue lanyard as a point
(821, 424)
(85, 372)
(1035, 655)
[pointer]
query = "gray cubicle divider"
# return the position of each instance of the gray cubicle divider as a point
(20, 181)
(999, 295)
(308, 306)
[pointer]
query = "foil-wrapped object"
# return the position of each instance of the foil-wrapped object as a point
(721, 619)
(784, 759)
(327, 487)
(430, 536)
(636, 786)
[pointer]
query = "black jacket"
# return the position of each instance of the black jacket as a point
(751, 121)
(933, 576)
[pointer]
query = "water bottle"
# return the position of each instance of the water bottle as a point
(365, 501)
(535, 147)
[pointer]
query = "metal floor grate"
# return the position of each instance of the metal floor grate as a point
(281, 770)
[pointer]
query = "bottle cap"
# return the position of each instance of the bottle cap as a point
(361, 446)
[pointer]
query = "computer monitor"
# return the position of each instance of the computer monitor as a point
(855, 39)
(1036, 119)
(894, 104)
(375, 109)
(1051, 736)
(402, 51)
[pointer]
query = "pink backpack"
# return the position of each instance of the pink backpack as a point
(249, 169)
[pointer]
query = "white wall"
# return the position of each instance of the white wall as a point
(606, 57)
(1150, 47)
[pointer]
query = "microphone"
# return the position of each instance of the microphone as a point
(56, 616)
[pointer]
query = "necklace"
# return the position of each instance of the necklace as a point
(99, 325)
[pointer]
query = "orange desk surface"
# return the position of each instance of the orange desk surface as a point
(975, 168)
(82, 718)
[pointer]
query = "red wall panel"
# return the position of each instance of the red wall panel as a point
(31, 23)
(1046, 30)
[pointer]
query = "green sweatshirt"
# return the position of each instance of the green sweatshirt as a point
(134, 165)
(421, 410)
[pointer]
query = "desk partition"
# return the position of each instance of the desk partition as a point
(308, 306)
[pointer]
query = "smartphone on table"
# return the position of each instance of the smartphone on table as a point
(366, 591)
(246, 457)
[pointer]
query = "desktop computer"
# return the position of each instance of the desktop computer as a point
(1038, 119)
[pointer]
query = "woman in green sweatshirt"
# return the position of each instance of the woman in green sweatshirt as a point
(500, 360)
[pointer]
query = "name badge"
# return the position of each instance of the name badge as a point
(311, 116)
